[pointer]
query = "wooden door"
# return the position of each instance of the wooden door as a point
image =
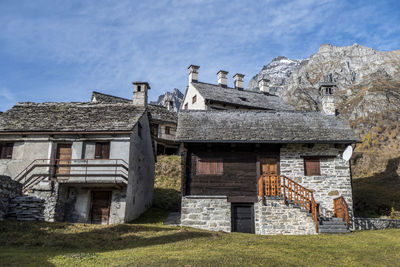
(64, 155)
(269, 166)
(242, 218)
(100, 208)
(338, 208)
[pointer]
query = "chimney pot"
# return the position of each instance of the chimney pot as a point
(193, 73)
(140, 94)
(238, 81)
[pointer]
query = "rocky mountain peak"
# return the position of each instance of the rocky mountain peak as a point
(170, 100)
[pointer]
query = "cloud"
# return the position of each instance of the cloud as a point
(62, 50)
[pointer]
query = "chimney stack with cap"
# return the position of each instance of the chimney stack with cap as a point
(222, 78)
(263, 85)
(193, 73)
(327, 92)
(140, 94)
(238, 80)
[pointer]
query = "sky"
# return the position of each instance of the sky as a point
(61, 51)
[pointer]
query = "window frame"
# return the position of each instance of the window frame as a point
(99, 150)
(186, 107)
(219, 170)
(312, 172)
(6, 150)
(194, 99)
(167, 130)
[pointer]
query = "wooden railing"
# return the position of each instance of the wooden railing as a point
(341, 210)
(82, 170)
(284, 187)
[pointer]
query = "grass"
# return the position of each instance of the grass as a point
(149, 243)
(167, 182)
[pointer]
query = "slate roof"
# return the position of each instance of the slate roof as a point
(262, 127)
(160, 113)
(59, 117)
(240, 97)
(105, 98)
(157, 112)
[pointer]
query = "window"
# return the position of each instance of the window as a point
(6, 150)
(140, 130)
(311, 166)
(102, 150)
(155, 130)
(209, 166)
(139, 88)
(167, 130)
(194, 99)
(186, 106)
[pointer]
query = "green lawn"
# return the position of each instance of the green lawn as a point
(147, 242)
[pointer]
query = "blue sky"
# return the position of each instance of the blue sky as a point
(63, 50)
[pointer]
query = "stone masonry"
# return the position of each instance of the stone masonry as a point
(274, 217)
(334, 180)
(8, 189)
(206, 212)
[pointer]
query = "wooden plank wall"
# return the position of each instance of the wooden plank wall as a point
(240, 169)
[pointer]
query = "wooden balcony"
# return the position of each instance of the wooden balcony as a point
(100, 171)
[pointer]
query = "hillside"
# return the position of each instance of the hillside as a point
(368, 96)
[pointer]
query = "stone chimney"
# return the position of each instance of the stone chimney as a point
(327, 92)
(193, 73)
(238, 81)
(140, 94)
(222, 78)
(263, 85)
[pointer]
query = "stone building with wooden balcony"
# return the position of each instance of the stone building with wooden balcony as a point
(250, 163)
(91, 162)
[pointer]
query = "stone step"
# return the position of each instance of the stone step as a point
(332, 226)
(333, 231)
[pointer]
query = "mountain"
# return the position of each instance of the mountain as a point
(367, 94)
(171, 100)
(277, 72)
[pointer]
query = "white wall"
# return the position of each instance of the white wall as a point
(200, 102)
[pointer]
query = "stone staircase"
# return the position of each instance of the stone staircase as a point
(332, 226)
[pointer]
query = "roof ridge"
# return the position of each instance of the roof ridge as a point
(97, 92)
(247, 91)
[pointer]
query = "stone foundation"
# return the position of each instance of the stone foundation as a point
(274, 217)
(206, 212)
(271, 218)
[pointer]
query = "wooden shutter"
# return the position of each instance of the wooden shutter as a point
(102, 151)
(105, 150)
(209, 166)
(311, 166)
(97, 153)
(194, 99)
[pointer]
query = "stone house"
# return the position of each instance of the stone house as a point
(92, 162)
(163, 121)
(262, 169)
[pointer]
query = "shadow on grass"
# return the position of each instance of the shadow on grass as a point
(167, 199)
(375, 196)
(60, 239)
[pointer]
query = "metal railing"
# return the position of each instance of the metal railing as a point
(74, 170)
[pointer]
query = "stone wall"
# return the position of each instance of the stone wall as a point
(8, 189)
(53, 209)
(206, 212)
(274, 217)
(334, 180)
(374, 223)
